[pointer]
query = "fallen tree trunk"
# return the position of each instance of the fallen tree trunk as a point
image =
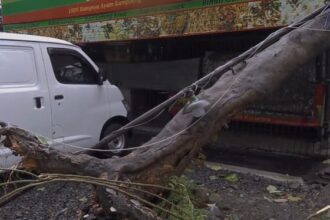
(170, 152)
(206, 79)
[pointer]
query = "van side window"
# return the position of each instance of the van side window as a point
(71, 68)
(17, 66)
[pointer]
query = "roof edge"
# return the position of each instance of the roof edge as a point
(32, 38)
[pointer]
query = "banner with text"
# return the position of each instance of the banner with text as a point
(175, 19)
(23, 11)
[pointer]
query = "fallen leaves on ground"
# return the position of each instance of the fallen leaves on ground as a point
(213, 166)
(233, 178)
(294, 198)
(273, 190)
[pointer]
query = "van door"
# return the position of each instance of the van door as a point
(24, 93)
(23, 87)
(80, 106)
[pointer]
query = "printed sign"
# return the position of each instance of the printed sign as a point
(22, 11)
(167, 20)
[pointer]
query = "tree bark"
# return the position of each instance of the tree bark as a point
(250, 81)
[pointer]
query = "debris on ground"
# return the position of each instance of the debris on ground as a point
(223, 194)
(253, 197)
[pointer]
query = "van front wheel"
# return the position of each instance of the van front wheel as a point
(116, 145)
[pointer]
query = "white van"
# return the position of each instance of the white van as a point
(53, 89)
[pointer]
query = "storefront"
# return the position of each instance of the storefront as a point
(153, 49)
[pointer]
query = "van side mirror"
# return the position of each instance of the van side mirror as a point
(102, 76)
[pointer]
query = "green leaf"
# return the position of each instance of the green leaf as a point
(83, 199)
(294, 198)
(42, 140)
(272, 189)
(213, 166)
(233, 178)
